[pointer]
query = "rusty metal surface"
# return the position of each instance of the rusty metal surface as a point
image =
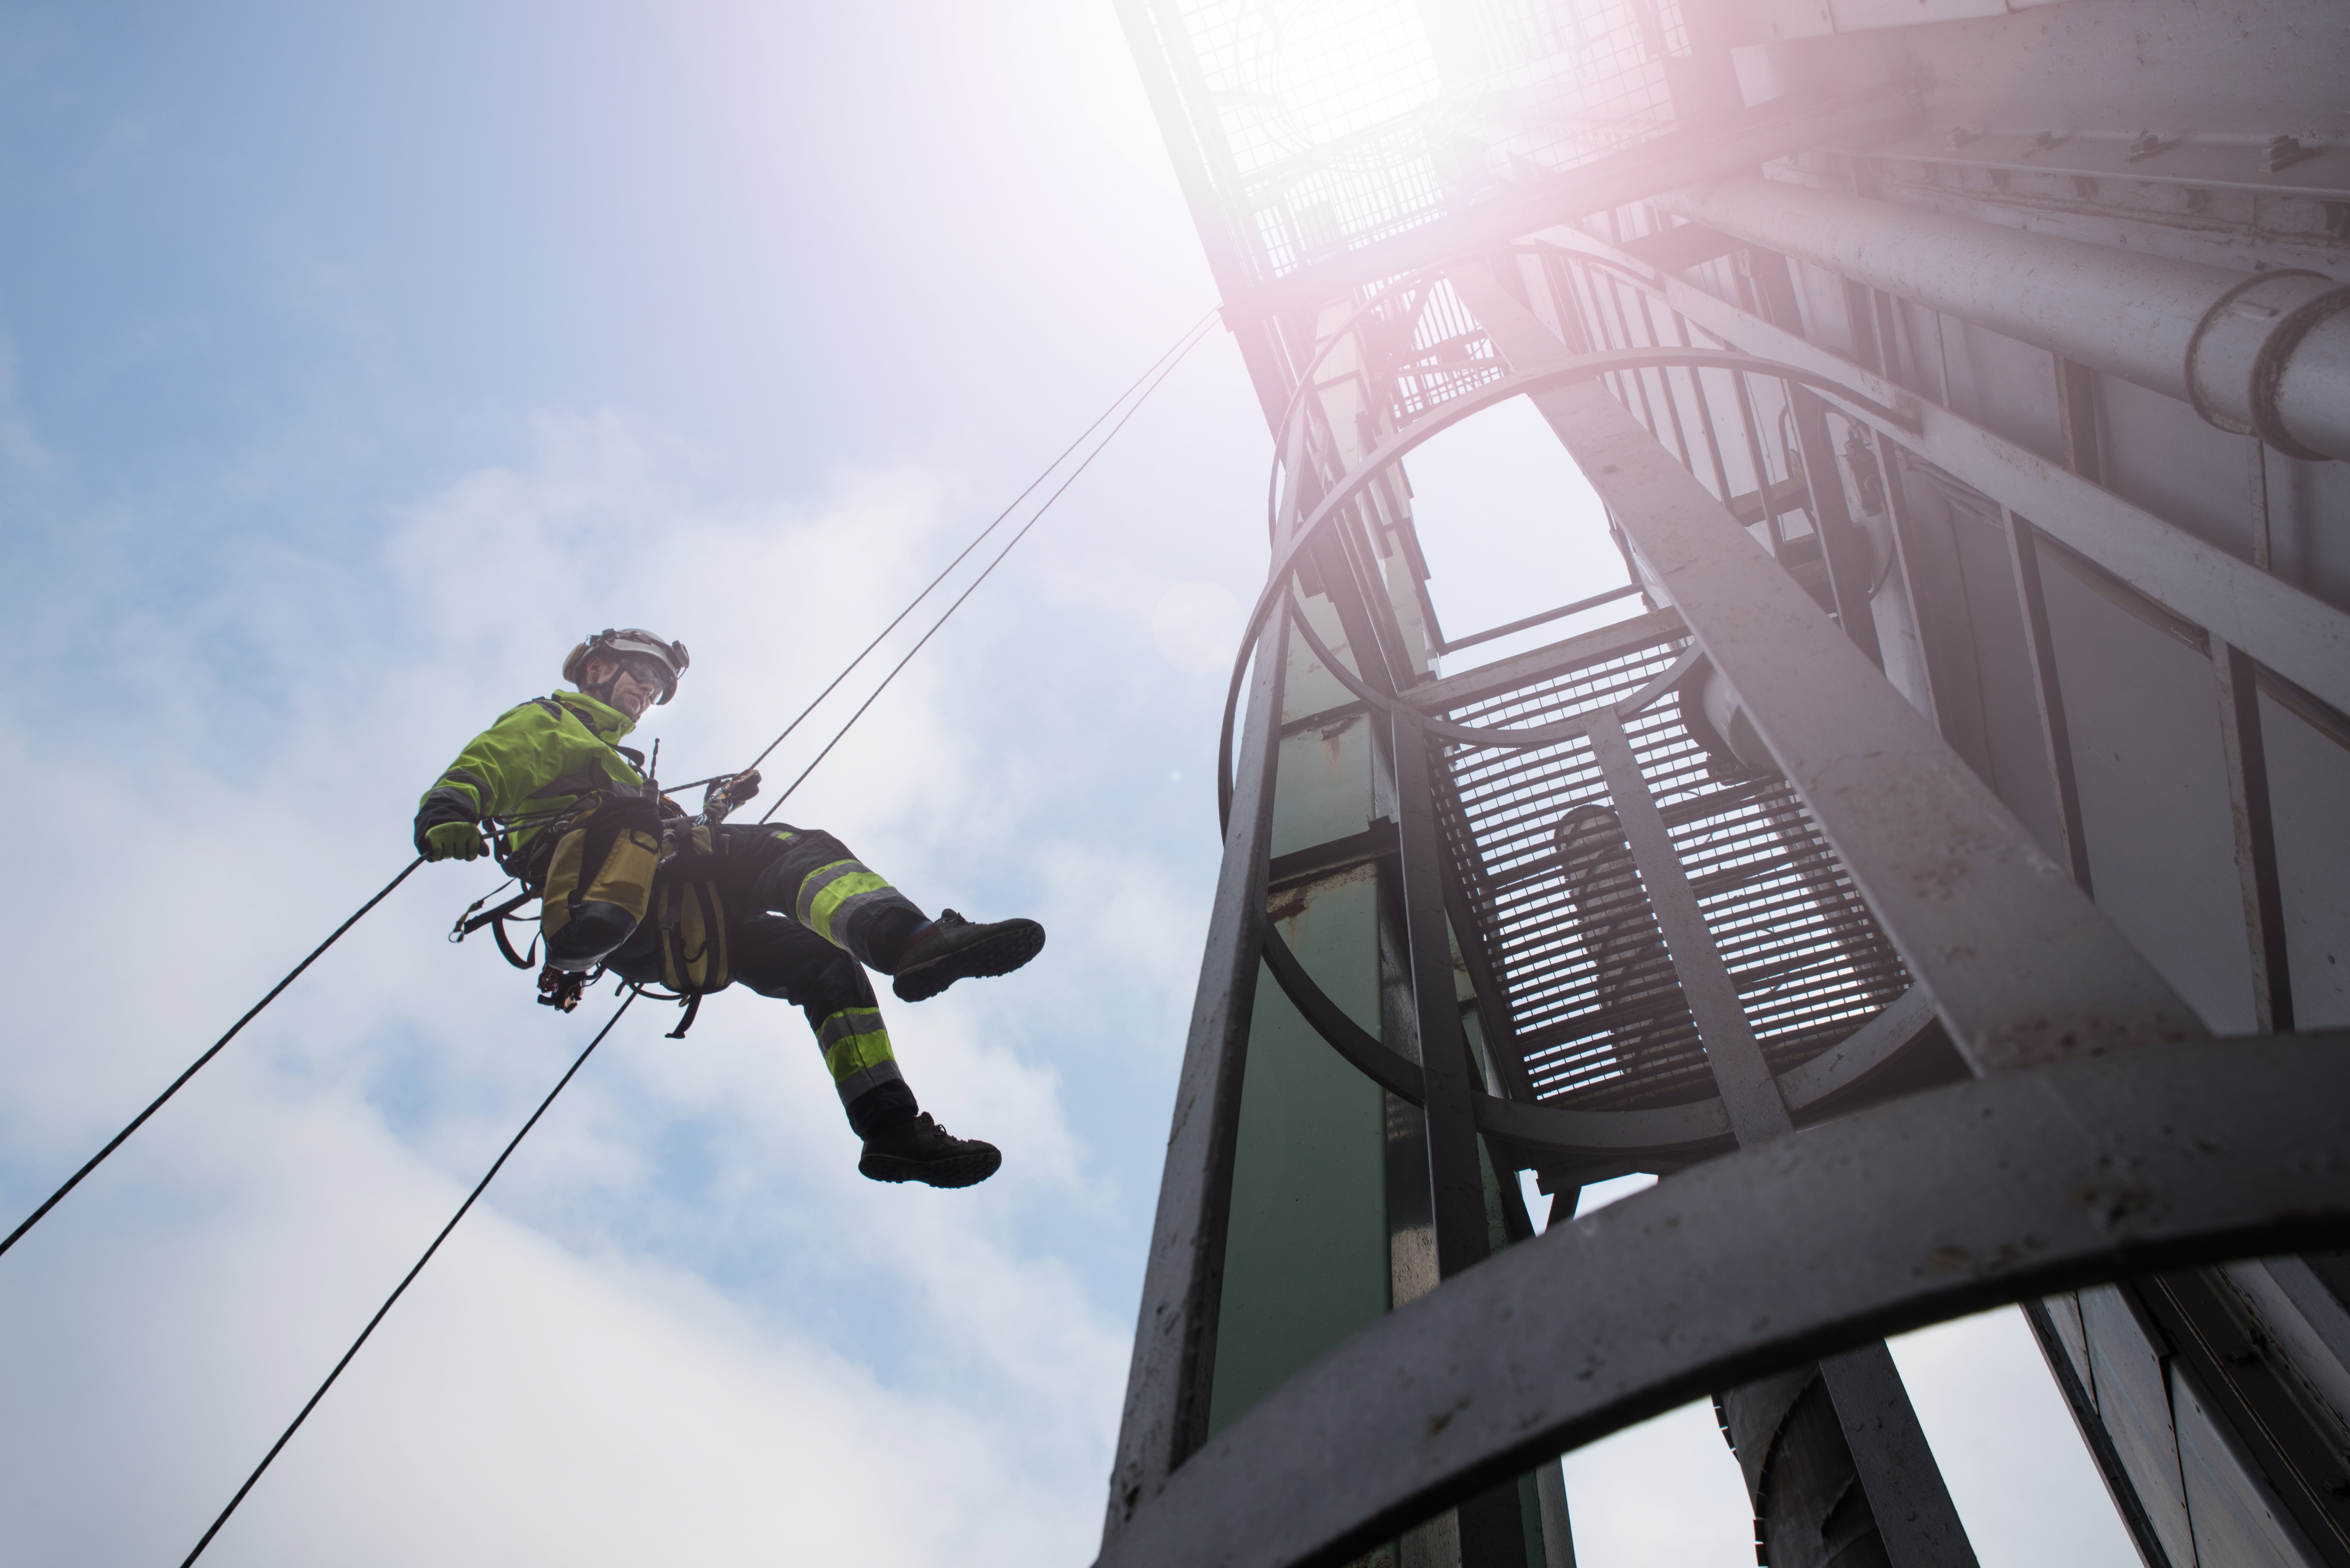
(1947, 1203)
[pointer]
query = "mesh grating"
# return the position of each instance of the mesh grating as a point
(1597, 1006)
(1445, 355)
(1329, 124)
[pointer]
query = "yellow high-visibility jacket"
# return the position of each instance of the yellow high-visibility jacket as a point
(534, 761)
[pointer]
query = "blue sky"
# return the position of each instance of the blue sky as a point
(353, 362)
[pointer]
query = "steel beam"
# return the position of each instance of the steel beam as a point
(1523, 669)
(1168, 1383)
(1492, 991)
(1846, 560)
(2094, 1435)
(1928, 552)
(1748, 1093)
(1486, 1532)
(1915, 1517)
(2302, 639)
(2048, 696)
(2246, 761)
(2075, 1172)
(1491, 1533)
(1456, 1182)
(2076, 420)
(2022, 965)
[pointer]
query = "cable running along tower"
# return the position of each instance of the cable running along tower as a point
(1935, 876)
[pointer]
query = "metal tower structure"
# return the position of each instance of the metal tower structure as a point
(1938, 878)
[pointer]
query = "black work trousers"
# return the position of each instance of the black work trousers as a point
(804, 919)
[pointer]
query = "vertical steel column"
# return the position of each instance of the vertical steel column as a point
(1704, 411)
(1914, 1514)
(2256, 476)
(1762, 466)
(1486, 1531)
(1454, 1177)
(1492, 1535)
(1839, 541)
(2256, 861)
(2076, 420)
(1903, 527)
(2095, 1435)
(1493, 995)
(2048, 692)
(1168, 1382)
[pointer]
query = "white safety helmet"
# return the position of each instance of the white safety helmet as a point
(646, 655)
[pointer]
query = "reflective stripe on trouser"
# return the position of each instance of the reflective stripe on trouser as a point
(776, 956)
(857, 1051)
(812, 876)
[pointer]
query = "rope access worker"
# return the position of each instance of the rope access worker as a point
(629, 882)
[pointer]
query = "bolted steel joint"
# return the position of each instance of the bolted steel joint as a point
(2271, 358)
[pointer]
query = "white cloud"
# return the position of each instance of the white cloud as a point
(523, 1402)
(1665, 1492)
(1197, 625)
(2018, 1471)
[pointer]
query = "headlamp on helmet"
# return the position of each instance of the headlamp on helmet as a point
(635, 649)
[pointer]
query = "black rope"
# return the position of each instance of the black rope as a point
(1178, 352)
(479, 1188)
(1154, 375)
(1149, 382)
(139, 1120)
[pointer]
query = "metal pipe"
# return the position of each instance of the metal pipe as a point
(2299, 638)
(2267, 353)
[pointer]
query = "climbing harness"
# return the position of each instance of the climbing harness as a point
(687, 911)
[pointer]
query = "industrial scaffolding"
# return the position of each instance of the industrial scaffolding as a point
(1936, 877)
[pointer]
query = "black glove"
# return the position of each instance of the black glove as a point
(734, 792)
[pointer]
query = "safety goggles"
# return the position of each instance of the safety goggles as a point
(649, 671)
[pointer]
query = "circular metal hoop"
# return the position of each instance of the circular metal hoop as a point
(2071, 1173)
(1501, 737)
(1396, 447)
(1338, 334)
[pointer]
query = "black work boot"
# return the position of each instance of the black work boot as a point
(919, 1150)
(951, 948)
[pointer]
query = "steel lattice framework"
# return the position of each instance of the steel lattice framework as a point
(1739, 888)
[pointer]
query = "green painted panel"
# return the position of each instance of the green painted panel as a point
(1326, 785)
(1305, 1257)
